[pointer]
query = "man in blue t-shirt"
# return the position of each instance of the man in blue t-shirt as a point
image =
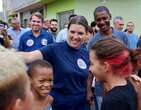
(133, 39)
(102, 18)
(36, 37)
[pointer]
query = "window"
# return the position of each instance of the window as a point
(63, 17)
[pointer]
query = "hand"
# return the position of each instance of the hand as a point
(135, 77)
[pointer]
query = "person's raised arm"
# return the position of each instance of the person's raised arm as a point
(31, 56)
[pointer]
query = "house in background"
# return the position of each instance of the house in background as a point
(62, 9)
(22, 9)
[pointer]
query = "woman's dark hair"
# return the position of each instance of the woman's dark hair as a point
(81, 20)
(101, 9)
(115, 53)
(135, 55)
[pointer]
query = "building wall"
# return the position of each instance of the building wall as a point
(59, 6)
(25, 16)
(128, 9)
(18, 4)
(23, 8)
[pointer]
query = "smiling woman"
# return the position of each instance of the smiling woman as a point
(77, 31)
(70, 65)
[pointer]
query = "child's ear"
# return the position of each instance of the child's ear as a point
(18, 105)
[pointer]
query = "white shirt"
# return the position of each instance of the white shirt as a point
(62, 35)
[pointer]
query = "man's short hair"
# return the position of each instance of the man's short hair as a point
(101, 9)
(53, 20)
(37, 63)
(117, 18)
(37, 14)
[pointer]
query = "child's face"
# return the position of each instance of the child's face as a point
(42, 81)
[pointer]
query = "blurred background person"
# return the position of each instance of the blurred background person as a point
(94, 27)
(54, 28)
(28, 28)
(62, 35)
(46, 25)
(118, 23)
(15, 91)
(132, 37)
(139, 42)
(15, 31)
(135, 55)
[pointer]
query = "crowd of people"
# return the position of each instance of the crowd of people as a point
(81, 67)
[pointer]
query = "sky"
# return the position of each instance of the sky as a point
(1, 6)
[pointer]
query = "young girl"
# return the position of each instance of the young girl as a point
(110, 63)
(41, 77)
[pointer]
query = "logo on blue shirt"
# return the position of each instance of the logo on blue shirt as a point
(44, 42)
(30, 43)
(81, 64)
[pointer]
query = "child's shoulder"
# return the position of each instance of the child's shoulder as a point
(49, 108)
(49, 99)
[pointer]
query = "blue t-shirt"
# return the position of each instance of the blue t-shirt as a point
(70, 75)
(121, 36)
(133, 40)
(28, 42)
(70, 67)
